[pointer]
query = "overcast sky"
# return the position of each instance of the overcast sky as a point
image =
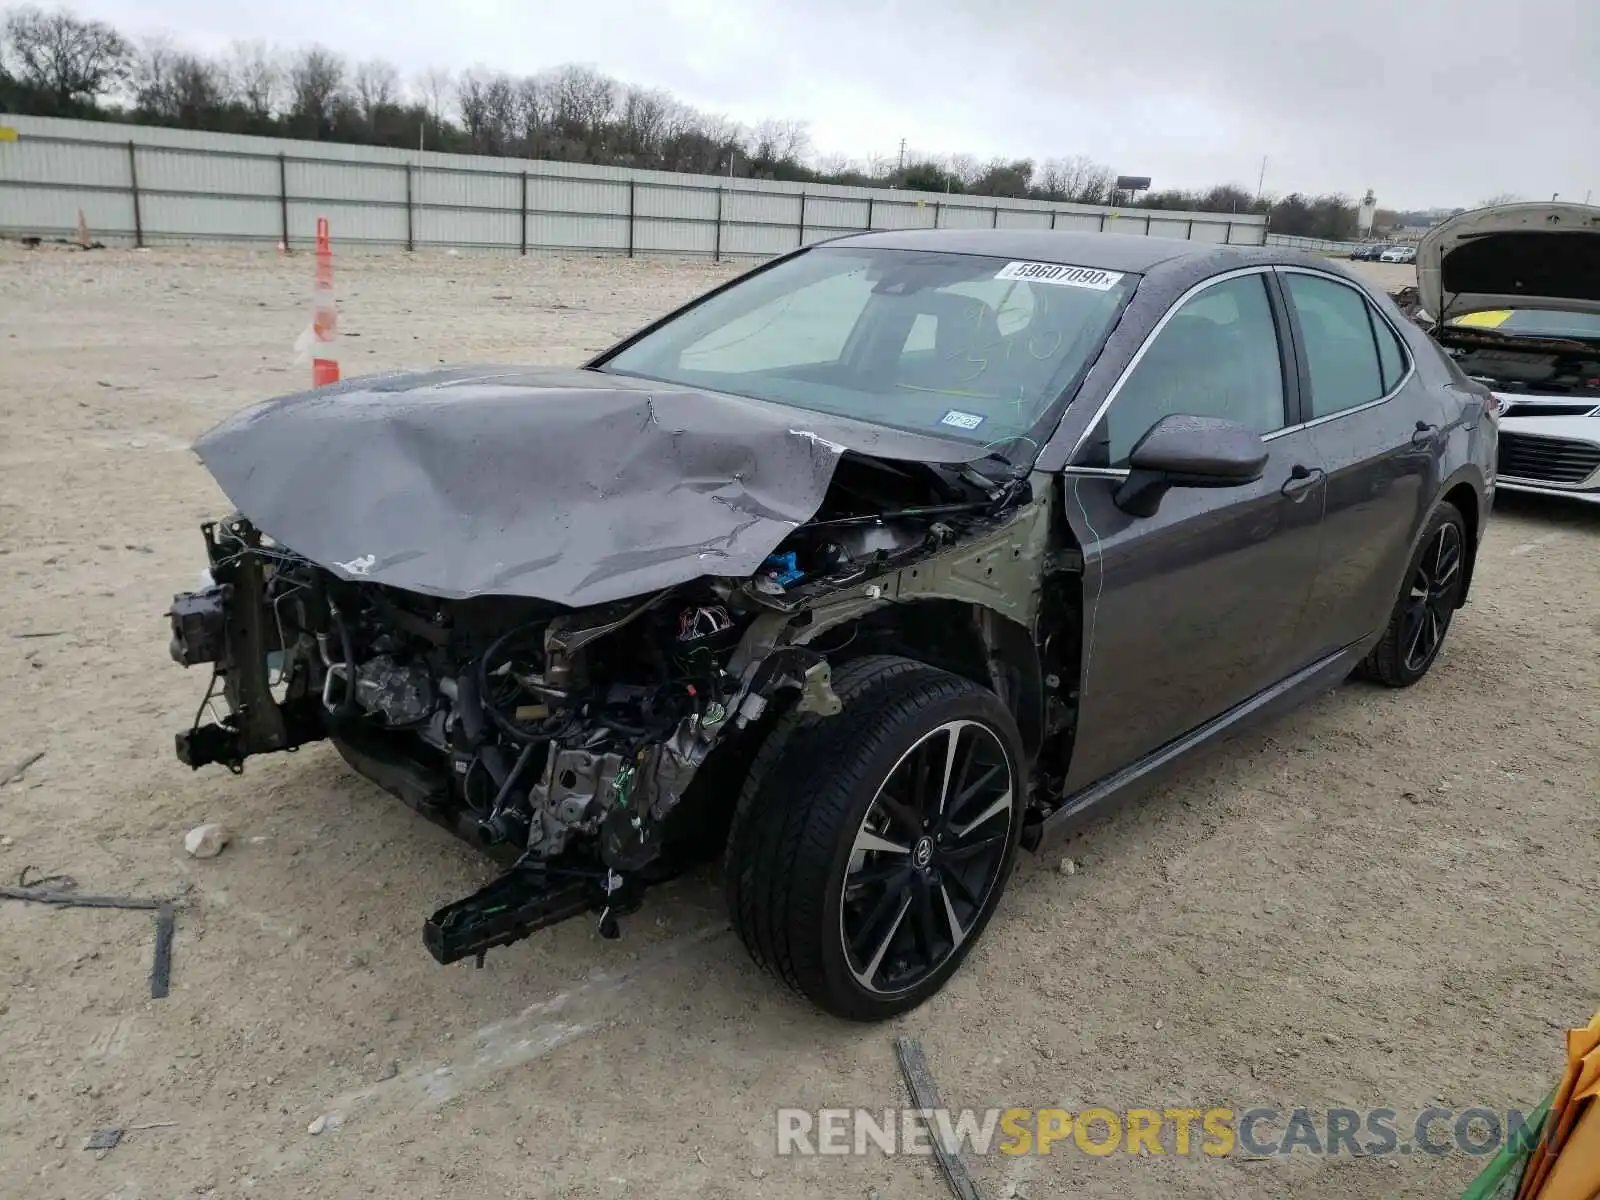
(1428, 102)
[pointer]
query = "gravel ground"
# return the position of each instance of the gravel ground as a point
(1383, 899)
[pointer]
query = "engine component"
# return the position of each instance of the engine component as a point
(199, 625)
(508, 818)
(574, 795)
(1509, 365)
(782, 569)
(400, 694)
(694, 624)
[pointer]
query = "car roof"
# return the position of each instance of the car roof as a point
(1108, 251)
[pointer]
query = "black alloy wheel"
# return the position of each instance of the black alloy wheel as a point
(927, 857)
(1435, 586)
(870, 849)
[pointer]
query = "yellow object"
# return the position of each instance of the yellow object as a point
(1488, 319)
(7, 134)
(1566, 1166)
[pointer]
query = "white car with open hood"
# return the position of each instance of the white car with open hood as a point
(1515, 294)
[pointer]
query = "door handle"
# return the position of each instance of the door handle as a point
(1301, 480)
(1424, 434)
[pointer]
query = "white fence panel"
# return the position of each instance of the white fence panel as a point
(53, 212)
(170, 218)
(145, 183)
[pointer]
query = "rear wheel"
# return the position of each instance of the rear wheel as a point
(1428, 601)
(870, 849)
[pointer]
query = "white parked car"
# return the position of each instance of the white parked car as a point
(1399, 254)
(1516, 290)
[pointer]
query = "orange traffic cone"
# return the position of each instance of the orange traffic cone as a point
(324, 316)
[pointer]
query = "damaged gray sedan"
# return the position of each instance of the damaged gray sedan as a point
(860, 572)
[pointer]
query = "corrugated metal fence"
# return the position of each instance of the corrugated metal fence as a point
(1314, 245)
(143, 185)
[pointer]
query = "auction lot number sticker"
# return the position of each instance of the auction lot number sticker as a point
(1039, 272)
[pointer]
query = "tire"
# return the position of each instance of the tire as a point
(822, 850)
(1428, 600)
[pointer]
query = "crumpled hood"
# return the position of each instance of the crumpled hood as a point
(1512, 256)
(565, 485)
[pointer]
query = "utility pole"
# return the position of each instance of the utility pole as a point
(902, 154)
(1261, 178)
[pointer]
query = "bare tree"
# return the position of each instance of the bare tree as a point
(377, 86)
(70, 60)
(472, 103)
(489, 109)
(706, 144)
(682, 140)
(878, 165)
(1225, 198)
(779, 141)
(1003, 178)
(641, 123)
(434, 87)
(500, 101)
(535, 113)
(316, 85)
(177, 87)
(255, 78)
(585, 103)
(1078, 178)
(721, 136)
(150, 74)
(966, 169)
(1052, 179)
(1500, 198)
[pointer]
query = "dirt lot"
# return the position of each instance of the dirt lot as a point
(1384, 899)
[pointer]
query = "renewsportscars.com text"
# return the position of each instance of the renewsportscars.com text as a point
(1214, 1132)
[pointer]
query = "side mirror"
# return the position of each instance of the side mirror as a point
(1188, 451)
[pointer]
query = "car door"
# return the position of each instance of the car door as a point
(1377, 428)
(1192, 610)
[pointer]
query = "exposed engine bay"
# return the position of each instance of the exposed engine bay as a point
(1541, 366)
(569, 741)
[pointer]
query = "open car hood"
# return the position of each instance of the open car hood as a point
(1544, 256)
(565, 485)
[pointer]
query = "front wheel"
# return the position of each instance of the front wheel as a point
(870, 849)
(1428, 601)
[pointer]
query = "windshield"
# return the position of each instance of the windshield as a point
(1533, 322)
(960, 345)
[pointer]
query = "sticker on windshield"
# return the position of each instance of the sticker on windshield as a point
(1038, 272)
(960, 419)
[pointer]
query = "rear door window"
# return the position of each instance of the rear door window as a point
(1391, 354)
(1336, 326)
